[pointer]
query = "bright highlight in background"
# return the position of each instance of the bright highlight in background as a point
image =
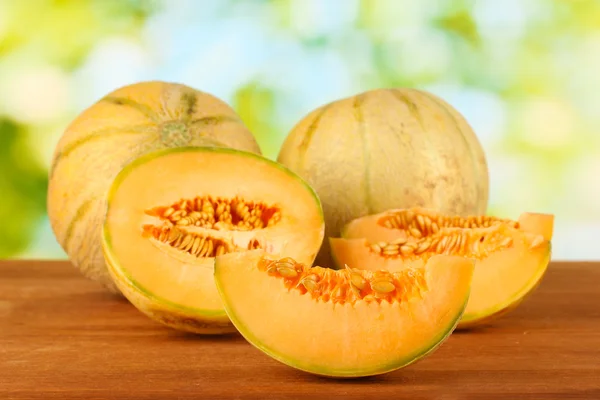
(523, 73)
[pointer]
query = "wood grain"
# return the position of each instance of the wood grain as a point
(62, 337)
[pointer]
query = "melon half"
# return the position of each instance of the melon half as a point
(172, 211)
(121, 126)
(511, 256)
(342, 323)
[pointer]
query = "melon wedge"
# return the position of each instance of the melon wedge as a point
(511, 256)
(172, 211)
(344, 323)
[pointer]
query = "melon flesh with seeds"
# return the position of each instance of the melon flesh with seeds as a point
(345, 323)
(387, 148)
(172, 211)
(121, 126)
(511, 256)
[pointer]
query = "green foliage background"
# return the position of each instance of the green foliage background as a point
(524, 73)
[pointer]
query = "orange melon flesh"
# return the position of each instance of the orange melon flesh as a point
(369, 227)
(341, 339)
(160, 279)
(503, 277)
(542, 224)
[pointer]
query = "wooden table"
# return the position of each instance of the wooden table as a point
(62, 337)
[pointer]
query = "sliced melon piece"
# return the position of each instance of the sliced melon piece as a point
(512, 256)
(344, 323)
(171, 212)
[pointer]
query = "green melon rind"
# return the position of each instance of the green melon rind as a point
(322, 370)
(106, 237)
(474, 319)
(181, 318)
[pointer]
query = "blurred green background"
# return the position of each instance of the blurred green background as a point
(525, 73)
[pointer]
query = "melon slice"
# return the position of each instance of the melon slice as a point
(511, 256)
(171, 212)
(342, 323)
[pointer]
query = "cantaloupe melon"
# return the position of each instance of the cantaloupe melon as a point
(387, 148)
(170, 212)
(120, 127)
(345, 323)
(511, 256)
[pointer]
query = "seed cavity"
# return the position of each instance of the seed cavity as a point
(420, 225)
(347, 285)
(219, 213)
(310, 282)
(198, 245)
(383, 286)
(287, 272)
(356, 279)
(455, 241)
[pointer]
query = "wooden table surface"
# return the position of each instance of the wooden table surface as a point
(62, 337)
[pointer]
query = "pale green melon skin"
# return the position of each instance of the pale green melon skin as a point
(385, 149)
(122, 126)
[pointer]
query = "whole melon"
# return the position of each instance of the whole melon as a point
(125, 124)
(384, 149)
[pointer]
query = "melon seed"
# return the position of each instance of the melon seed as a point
(188, 246)
(173, 235)
(442, 244)
(186, 240)
(358, 281)
(203, 252)
(287, 272)
(195, 245)
(337, 292)
(272, 268)
(178, 241)
(310, 284)
(536, 242)
(286, 262)
(383, 286)
(476, 245)
(416, 233)
(376, 248)
(399, 241)
(506, 242)
(391, 247)
(201, 245)
(451, 242)
(424, 245)
(421, 222)
(210, 247)
(392, 252)
(406, 250)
